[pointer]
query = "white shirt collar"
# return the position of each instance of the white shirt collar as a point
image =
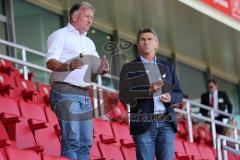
(71, 28)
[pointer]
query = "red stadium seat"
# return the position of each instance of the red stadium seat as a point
(110, 151)
(44, 92)
(44, 132)
(48, 138)
(4, 139)
(196, 136)
(8, 148)
(192, 150)
(14, 154)
(25, 89)
(6, 84)
(129, 153)
(53, 121)
(6, 65)
(214, 151)
(8, 68)
(9, 111)
(9, 107)
(119, 113)
(182, 130)
(34, 119)
(47, 157)
(32, 111)
(110, 101)
(102, 129)
(2, 156)
(180, 151)
(206, 152)
(43, 88)
(205, 136)
(232, 156)
(122, 134)
(94, 152)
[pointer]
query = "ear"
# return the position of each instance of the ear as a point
(157, 46)
(138, 46)
(74, 18)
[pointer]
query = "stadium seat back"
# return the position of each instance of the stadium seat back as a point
(192, 149)
(9, 106)
(103, 130)
(3, 132)
(47, 157)
(110, 151)
(206, 152)
(14, 153)
(43, 89)
(48, 138)
(94, 152)
(33, 111)
(129, 153)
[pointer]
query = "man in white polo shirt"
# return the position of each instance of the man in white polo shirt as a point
(73, 59)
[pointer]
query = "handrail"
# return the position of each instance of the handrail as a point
(210, 119)
(21, 62)
(11, 44)
(222, 145)
(207, 107)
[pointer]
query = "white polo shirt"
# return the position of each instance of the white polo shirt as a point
(65, 44)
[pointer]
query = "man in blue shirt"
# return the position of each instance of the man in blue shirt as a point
(151, 87)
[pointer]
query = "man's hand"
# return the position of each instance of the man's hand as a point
(104, 67)
(165, 98)
(76, 64)
(154, 87)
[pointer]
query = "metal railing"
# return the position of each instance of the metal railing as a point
(210, 119)
(223, 147)
(98, 87)
(23, 60)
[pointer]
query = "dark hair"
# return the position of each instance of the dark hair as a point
(77, 6)
(146, 30)
(212, 81)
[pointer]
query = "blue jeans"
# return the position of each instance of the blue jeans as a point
(74, 112)
(157, 140)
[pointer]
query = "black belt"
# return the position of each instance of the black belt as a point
(66, 88)
(70, 85)
(160, 116)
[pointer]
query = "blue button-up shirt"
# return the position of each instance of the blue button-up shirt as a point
(154, 75)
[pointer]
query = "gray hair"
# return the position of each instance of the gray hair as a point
(78, 5)
(147, 30)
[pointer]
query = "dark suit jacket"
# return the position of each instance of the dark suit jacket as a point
(222, 104)
(133, 90)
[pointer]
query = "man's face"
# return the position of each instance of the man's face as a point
(212, 87)
(83, 19)
(147, 43)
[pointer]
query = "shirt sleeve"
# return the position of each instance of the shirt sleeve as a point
(55, 46)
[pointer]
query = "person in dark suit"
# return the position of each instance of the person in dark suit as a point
(218, 100)
(151, 87)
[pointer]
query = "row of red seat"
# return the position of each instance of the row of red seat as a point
(101, 151)
(19, 88)
(201, 135)
(37, 124)
(113, 141)
(9, 150)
